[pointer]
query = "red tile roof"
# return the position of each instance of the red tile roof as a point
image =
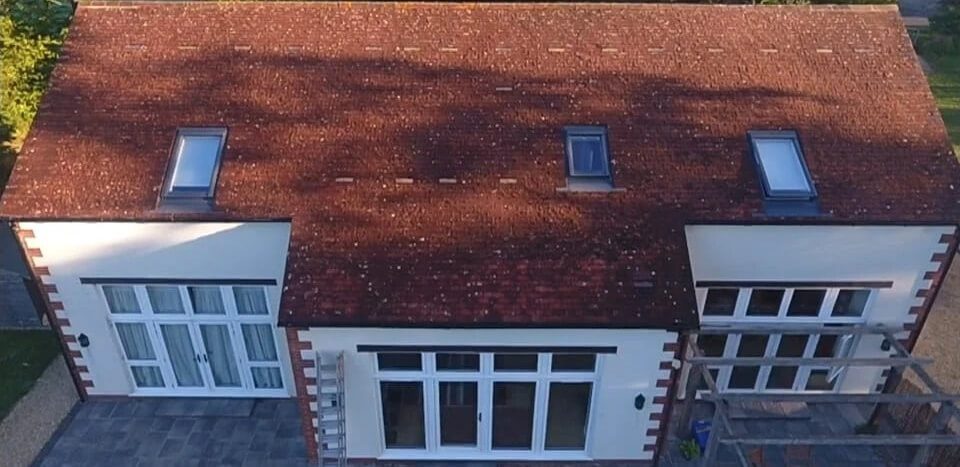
(372, 93)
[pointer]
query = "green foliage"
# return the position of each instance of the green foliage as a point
(689, 449)
(31, 32)
(947, 22)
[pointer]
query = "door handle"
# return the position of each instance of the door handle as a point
(198, 358)
(204, 358)
(479, 416)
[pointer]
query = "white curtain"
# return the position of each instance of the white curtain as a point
(136, 342)
(223, 363)
(182, 356)
(121, 299)
(207, 300)
(266, 378)
(165, 299)
(259, 341)
(147, 376)
(250, 300)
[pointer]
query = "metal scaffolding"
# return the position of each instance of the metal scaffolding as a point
(722, 431)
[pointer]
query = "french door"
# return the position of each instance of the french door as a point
(200, 341)
(474, 405)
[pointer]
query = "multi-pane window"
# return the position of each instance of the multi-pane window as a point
(206, 339)
(802, 305)
(486, 401)
(721, 304)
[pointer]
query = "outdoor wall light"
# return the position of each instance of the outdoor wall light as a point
(639, 402)
(83, 340)
(885, 346)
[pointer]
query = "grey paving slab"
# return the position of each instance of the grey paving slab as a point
(215, 432)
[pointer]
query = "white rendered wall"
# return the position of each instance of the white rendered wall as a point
(901, 254)
(72, 250)
(618, 430)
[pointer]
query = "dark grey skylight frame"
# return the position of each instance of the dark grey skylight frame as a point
(770, 192)
(600, 179)
(193, 193)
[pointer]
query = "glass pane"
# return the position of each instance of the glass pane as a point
(206, 300)
(819, 381)
(806, 302)
(458, 413)
(715, 373)
(196, 161)
(183, 357)
(220, 356)
(574, 362)
(515, 362)
(765, 302)
(399, 361)
(745, 377)
(825, 346)
(567, 415)
(121, 299)
(266, 378)
(850, 303)
(258, 339)
(513, 415)
(791, 345)
(458, 362)
(720, 302)
(250, 300)
(165, 299)
(136, 341)
(147, 376)
(588, 155)
(712, 344)
(402, 404)
(780, 161)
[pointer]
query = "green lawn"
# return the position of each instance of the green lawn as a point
(23, 357)
(945, 83)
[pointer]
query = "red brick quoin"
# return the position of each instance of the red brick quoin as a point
(45, 289)
(301, 381)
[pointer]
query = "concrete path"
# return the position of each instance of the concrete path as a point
(26, 429)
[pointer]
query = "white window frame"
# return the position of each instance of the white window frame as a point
(847, 344)
(430, 378)
(232, 319)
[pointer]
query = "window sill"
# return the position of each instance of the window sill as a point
(589, 189)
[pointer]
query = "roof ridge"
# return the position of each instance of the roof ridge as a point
(129, 4)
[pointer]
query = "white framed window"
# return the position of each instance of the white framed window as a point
(196, 339)
(782, 305)
(516, 405)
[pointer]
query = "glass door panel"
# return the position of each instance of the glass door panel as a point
(458, 413)
(567, 415)
(745, 377)
(184, 358)
(140, 354)
(784, 377)
(220, 357)
(403, 420)
(513, 415)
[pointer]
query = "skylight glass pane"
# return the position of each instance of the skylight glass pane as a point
(196, 162)
(781, 165)
(588, 155)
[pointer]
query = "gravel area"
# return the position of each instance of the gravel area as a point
(26, 429)
(938, 339)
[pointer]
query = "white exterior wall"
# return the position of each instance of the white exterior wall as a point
(618, 430)
(72, 250)
(901, 254)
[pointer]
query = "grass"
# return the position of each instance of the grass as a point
(23, 357)
(945, 84)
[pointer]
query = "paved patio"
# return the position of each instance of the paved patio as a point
(179, 432)
(811, 419)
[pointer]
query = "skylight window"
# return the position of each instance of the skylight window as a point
(783, 171)
(195, 163)
(588, 159)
